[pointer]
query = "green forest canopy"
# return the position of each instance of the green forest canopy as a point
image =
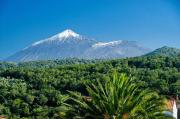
(39, 88)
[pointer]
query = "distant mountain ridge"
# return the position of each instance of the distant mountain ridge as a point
(165, 51)
(69, 44)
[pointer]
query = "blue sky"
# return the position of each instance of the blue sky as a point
(152, 23)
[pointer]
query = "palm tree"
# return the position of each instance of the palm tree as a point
(118, 98)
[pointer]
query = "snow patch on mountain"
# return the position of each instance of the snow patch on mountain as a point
(104, 44)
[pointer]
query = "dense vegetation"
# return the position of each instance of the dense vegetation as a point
(47, 63)
(41, 90)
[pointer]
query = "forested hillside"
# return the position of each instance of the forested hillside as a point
(165, 51)
(47, 63)
(39, 89)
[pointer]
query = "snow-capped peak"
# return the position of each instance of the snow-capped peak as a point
(68, 33)
(60, 36)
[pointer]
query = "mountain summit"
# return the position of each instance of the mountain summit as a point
(65, 35)
(68, 33)
(69, 44)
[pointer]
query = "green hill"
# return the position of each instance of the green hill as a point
(165, 51)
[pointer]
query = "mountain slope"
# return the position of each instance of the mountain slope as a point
(69, 44)
(115, 49)
(165, 51)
